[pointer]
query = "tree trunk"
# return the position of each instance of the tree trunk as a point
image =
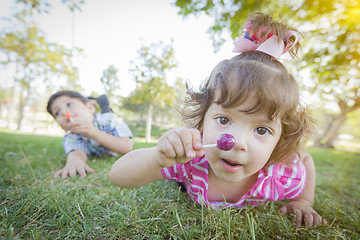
(331, 131)
(22, 102)
(148, 123)
(20, 112)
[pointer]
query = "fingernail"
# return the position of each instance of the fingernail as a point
(191, 154)
(197, 145)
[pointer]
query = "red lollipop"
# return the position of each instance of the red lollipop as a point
(225, 142)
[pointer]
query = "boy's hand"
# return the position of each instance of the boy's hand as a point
(179, 145)
(304, 213)
(84, 126)
(73, 167)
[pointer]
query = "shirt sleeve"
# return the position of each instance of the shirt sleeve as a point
(118, 127)
(72, 141)
(178, 172)
(293, 177)
(280, 181)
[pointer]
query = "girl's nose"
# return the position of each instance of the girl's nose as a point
(241, 143)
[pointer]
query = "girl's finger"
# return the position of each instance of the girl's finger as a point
(166, 146)
(197, 144)
(298, 217)
(309, 220)
(186, 137)
(284, 210)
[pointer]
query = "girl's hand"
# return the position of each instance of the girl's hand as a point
(179, 145)
(304, 213)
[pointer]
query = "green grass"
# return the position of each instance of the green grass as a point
(36, 206)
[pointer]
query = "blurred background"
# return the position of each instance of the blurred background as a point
(141, 54)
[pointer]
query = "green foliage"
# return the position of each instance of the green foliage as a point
(334, 55)
(36, 206)
(229, 16)
(24, 46)
(111, 83)
(154, 62)
(110, 80)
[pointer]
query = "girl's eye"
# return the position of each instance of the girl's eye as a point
(262, 131)
(223, 120)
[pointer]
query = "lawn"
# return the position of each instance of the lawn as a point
(36, 206)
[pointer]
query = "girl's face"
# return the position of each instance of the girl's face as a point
(256, 137)
(64, 105)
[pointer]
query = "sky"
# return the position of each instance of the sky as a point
(110, 32)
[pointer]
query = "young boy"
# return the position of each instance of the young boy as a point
(88, 133)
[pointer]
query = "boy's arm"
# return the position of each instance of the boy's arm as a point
(120, 145)
(75, 163)
(85, 127)
(302, 206)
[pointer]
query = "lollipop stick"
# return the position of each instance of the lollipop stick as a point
(210, 145)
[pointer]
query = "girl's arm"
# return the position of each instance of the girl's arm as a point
(302, 206)
(136, 168)
(142, 166)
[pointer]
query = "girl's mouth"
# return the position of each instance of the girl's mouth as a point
(230, 166)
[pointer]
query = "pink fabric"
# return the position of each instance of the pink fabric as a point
(277, 182)
(270, 44)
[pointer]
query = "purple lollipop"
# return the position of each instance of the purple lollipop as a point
(225, 142)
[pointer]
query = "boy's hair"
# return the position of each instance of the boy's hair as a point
(68, 93)
(256, 76)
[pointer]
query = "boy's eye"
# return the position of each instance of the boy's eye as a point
(69, 104)
(262, 131)
(57, 113)
(223, 120)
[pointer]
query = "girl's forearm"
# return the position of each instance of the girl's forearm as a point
(136, 168)
(309, 190)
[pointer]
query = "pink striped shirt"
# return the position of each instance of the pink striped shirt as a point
(276, 182)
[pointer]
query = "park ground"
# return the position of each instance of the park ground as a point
(33, 205)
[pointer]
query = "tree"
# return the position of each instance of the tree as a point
(333, 63)
(110, 82)
(332, 24)
(150, 72)
(24, 46)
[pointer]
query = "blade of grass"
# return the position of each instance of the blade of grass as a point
(178, 219)
(27, 162)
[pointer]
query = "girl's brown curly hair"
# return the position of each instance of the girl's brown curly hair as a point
(257, 76)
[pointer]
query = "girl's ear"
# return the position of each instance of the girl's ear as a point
(91, 106)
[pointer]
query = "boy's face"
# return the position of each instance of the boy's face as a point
(256, 137)
(74, 107)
